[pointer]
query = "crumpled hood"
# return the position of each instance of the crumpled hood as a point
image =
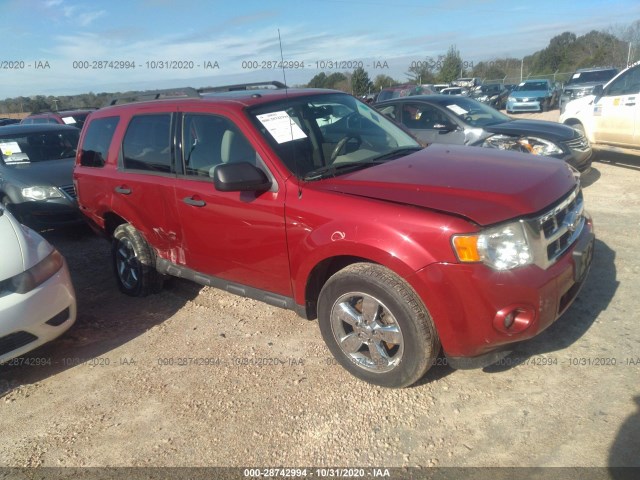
(542, 128)
(485, 185)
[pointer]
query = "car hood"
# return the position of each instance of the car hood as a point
(529, 94)
(541, 128)
(50, 172)
(22, 248)
(578, 86)
(484, 185)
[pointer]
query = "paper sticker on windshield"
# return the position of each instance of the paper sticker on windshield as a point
(281, 126)
(9, 148)
(457, 109)
(575, 75)
(69, 120)
(12, 153)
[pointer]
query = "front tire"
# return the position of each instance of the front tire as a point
(134, 263)
(376, 326)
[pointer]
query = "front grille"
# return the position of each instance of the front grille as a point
(14, 341)
(580, 144)
(69, 190)
(553, 232)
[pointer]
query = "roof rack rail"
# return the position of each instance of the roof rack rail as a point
(242, 86)
(188, 92)
(183, 92)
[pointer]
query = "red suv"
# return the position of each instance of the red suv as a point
(75, 118)
(312, 200)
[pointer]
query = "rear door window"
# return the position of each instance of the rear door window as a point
(95, 145)
(147, 143)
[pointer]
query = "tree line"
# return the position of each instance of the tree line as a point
(565, 53)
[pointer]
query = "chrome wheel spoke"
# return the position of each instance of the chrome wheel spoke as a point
(351, 343)
(370, 308)
(379, 356)
(346, 313)
(389, 333)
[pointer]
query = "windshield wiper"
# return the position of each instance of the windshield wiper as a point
(333, 170)
(396, 153)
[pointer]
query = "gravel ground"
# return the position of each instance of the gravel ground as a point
(198, 377)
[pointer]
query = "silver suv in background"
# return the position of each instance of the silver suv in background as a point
(583, 81)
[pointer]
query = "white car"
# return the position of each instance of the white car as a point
(37, 299)
(611, 116)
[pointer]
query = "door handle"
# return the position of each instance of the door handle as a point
(194, 202)
(123, 190)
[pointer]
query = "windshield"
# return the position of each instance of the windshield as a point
(317, 131)
(474, 113)
(486, 90)
(598, 76)
(38, 146)
(532, 86)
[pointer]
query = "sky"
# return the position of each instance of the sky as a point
(64, 47)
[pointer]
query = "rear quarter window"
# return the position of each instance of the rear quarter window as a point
(95, 145)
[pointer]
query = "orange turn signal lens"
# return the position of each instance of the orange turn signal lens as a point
(466, 247)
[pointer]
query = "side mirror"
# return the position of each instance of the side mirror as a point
(240, 177)
(598, 90)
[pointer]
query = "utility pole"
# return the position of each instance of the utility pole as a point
(521, 67)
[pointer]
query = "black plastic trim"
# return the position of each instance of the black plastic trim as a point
(166, 267)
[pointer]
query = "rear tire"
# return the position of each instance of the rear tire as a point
(134, 263)
(376, 326)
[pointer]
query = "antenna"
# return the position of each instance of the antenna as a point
(286, 92)
(284, 76)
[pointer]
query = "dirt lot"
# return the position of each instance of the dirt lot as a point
(198, 377)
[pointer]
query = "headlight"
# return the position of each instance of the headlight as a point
(511, 99)
(35, 276)
(483, 98)
(41, 193)
(501, 248)
(534, 145)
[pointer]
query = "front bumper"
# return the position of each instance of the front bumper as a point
(24, 317)
(464, 300)
(532, 105)
(48, 213)
(579, 159)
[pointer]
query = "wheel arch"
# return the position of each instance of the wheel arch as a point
(111, 222)
(319, 275)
